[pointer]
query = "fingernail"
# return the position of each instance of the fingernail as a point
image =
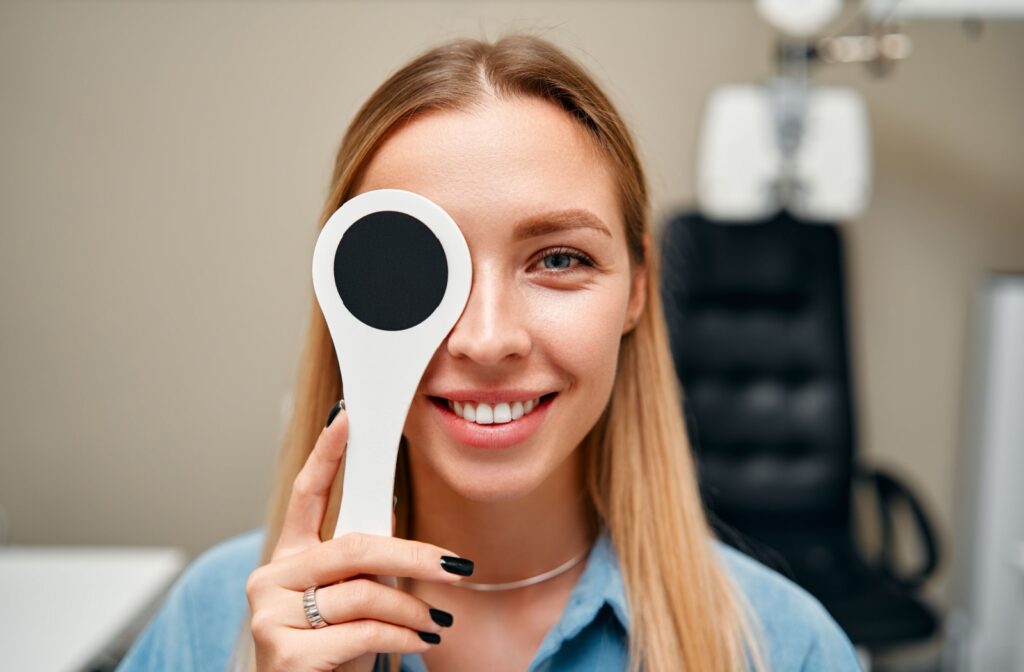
(430, 637)
(460, 566)
(334, 412)
(442, 618)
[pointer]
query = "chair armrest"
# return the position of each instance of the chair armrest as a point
(888, 490)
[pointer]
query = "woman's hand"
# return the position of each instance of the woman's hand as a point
(364, 616)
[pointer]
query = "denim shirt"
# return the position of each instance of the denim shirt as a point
(196, 625)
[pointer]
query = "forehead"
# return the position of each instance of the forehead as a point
(502, 162)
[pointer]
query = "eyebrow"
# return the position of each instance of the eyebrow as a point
(560, 220)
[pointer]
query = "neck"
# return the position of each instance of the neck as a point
(510, 539)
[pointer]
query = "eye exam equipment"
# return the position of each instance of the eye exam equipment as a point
(392, 274)
(785, 144)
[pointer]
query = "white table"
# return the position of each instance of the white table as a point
(61, 608)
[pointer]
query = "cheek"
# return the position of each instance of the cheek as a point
(581, 331)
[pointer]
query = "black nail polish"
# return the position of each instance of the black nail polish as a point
(430, 637)
(460, 566)
(442, 618)
(333, 414)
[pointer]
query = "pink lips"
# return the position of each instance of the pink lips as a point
(503, 435)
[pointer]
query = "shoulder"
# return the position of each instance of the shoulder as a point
(798, 633)
(196, 624)
(212, 588)
(227, 563)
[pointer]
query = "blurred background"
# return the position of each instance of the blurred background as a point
(163, 165)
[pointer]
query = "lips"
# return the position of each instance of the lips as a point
(493, 436)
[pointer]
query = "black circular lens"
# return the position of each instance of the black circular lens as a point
(390, 270)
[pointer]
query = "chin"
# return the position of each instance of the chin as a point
(490, 485)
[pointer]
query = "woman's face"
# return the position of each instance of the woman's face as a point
(553, 292)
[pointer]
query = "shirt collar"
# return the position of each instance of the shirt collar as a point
(599, 585)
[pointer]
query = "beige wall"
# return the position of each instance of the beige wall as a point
(162, 166)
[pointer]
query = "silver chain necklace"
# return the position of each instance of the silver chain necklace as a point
(522, 583)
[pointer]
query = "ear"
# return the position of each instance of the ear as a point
(637, 290)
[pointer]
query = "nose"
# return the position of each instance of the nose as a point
(493, 324)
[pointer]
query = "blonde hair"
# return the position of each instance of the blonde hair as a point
(686, 613)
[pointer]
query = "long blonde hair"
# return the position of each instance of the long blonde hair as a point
(685, 611)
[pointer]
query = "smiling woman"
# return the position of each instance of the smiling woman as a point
(546, 429)
(553, 291)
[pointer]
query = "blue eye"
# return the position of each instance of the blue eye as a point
(562, 260)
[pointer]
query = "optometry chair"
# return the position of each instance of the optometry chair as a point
(757, 321)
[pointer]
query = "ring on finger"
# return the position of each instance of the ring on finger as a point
(312, 612)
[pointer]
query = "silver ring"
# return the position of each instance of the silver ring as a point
(309, 606)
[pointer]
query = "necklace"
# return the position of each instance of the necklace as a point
(522, 583)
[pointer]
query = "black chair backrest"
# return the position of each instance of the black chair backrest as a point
(757, 320)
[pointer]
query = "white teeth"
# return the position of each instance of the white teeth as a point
(486, 414)
(502, 413)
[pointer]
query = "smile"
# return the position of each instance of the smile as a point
(483, 425)
(486, 414)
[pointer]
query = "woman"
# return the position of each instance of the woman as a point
(548, 515)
